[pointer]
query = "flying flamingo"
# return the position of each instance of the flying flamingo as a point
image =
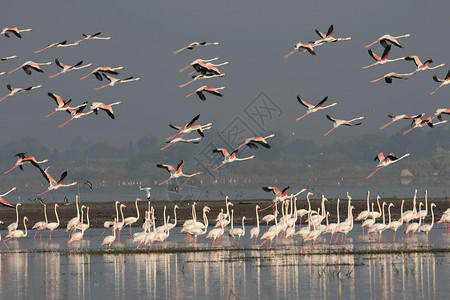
(30, 65)
(15, 234)
(57, 45)
(209, 89)
(175, 173)
(39, 226)
(97, 72)
(386, 161)
(422, 66)
(53, 225)
(15, 91)
(302, 48)
(418, 123)
(26, 160)
(66, 68)
(8, 30)
(13, 226)
(279, 196)
(388, 77)
(327, 38)
(131, 220)
(389, 38)
(438, 113)
(193, 45)
(206, 68)
(338, 123)
(8, 57)
(229, 157)
(61, 104)
(251, 142)
(196, 64)
(3, 201)
(76, 114)
(114, 81)
(95, 106)
(398, 118)
(181, 140)
(53, 184)
(201, 76)
(383, 59)
(189, 127)
(443, 82)
(313, 108)
(94, 36)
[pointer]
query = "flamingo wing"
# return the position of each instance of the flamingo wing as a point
(169, 168)
(386, 52)
(57, 99)
(330, 31)
(304, 103)
(62, 178)
(332, 119)
(373, 55)
(5, 203)
(223, 151)
(321, 102)
(272, 189)
(59, 64)
(193, 121)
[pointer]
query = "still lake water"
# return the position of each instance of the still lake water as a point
(290, 272)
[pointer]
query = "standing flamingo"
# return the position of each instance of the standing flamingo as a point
(254, 232)
(386, 161)
(15, 234)
(109, 224)
(14, 30)
(251, 142)
(30, 65)
(388, 77)
(97, 72)
(119, 225)
(175, 173)
(427, 227)
(209, 89)
(338, 123)
(108, 240)
(57, 45)
(400, 117)
(95, 106)
(378, 227)
(39, 226)
(13, 226)
(94, 36)
(15, 91)
(422, 66)
(78, 236)
(71, 225)
(53, 184)
(131, 220)
(66, 68)
(389, 38)
(383, 59)
(193, 45)
(229, 157)
(53, 225)
(76, 114)
(394, 225)
(313, 108)
(442, 82)
(302, 48)
(113, 81)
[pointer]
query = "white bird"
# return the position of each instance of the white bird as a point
(131, 220)
(146, 190)
(94, 36)
(338, 123)
(175, 173)
(229, 157)
(386, 161)
(57, 45)
(30, 65)
(313, 108)
(15, 91)
(113, 81)
(254, 232)
(15, 234)
(389, 38)
(53, 225)
(193, 45)
(383, 59)
(108, 240)
(13, 226)
(181, 140)
(66, 68)
(14, 30)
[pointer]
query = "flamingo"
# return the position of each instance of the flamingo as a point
(53, 184)
(113, 81)
(15, 234)
(442, 82)
(131, 220)
(14, 30)
(181, 140)
(26, 160)
(57, 45)
(251, 142)
(71, 225)
(386, 161)
(94, 36)
(215, 234)
(95, 106)
(229, 157)
(109, 224)
(161, 237)
(208, 68)
(438, 113)
(66, 68)
(146, 190)
(410, 215)
(172, 225)
(78, 236)
(389, 38)
(76, 114)
(413, 227)
(61, 104)
(239, 232)
(302, 48)
(15, 91)
(30, 65)
(400, 117)
(175, 173)
(119, 225)
(418, 123)
(383, 59)
(270, 234)
(338, 123)
(368, 222)
(313, 108)
(189, 127)
(427, 227)
(332, 228)
(254, 232)
(201, 76)
(209, 89)
(97, 72)
(424, 212)
(422, 66)
(108, 240)
(8, 57)
(53, 225)
(194, 45)
(388, 77)
(394, 225)
(196, 64)
(196, 231)
(378, 227)
(327, 38)
(82, 226)
(224, 218)
(13, 226)
(363, 215)
(39, 226)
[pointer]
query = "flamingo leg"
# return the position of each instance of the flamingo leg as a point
(171, 137)
(10, 169)
(183, 85)
(369, 66)
(329, 131)
(59, 126)
(302, 116)
(165, 147)
(289, 54)
(4, 97)
(54, 75)
(12, 71)
(385, 125)
(405, 132)
(102, 87)
(371, 174)
(435, 90)
(183, 69)
(50, 114)
(42, 193)
(50, 236)
(165, 181)
(218, 166)
(40, 50)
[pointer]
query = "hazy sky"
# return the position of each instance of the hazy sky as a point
(253, 36)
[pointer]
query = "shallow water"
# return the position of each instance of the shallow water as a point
(44, 270)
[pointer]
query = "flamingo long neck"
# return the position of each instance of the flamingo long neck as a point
(414, 202)
(383, 216)
(45, 213)
(373, 215)
(420, 209)
(426, 202)
(17, 213)
(205, 221)
(87, 216)
(323, 206)
(368, 195)
(137, 209)
(25, 226)
(175, 215)
(309, 203)
(401, 212)
(389, 213)
(432, 216)
(117, 212)
(82, 228)
(114, 229)
(165, 226)
(78, 210)
(232, 211)
(378, 203)
(243, 227)
(56, 214)
(257, 218)
(164, 214)
(338, 220)
(121, 212)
